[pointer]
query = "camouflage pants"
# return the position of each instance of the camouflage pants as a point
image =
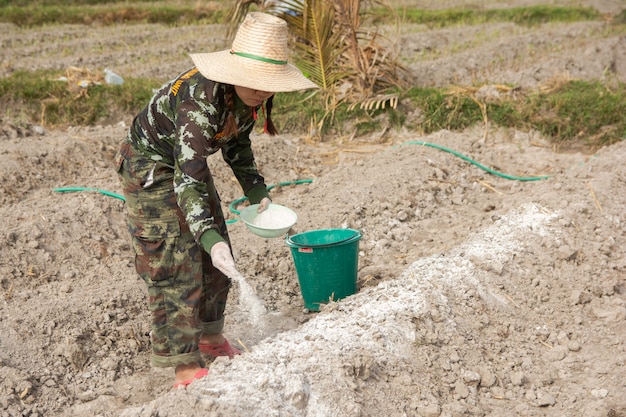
(187, 295)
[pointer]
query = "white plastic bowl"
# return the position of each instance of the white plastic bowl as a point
(275, 221)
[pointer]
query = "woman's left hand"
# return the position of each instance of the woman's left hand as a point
(264, 204)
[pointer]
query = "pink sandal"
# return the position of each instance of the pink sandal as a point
(224, 349)
(200, 374)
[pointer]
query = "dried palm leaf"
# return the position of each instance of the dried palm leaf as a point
(377, 102)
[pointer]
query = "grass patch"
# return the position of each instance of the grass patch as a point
(47, 3)
(443, 111)
(575, 111)
(40, 97)
(30, 13)
(620, 19)
(579, 110)
(528, 16)
(113, 13)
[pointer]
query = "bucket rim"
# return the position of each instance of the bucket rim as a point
(355, 236)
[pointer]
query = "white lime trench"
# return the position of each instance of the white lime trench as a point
(290, 372)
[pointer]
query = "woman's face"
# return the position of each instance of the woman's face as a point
(252, 97)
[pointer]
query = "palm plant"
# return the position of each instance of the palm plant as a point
(350, 64)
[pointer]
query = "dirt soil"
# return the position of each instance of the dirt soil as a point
(479, 295)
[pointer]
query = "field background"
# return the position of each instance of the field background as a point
(478, 295)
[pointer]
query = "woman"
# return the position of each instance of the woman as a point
(175, 219)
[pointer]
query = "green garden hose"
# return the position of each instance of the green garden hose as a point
(232, 206)
(74, 189)
(465, 158)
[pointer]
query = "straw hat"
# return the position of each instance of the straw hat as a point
(257, 58)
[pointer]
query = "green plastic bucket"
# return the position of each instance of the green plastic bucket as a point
(326, 263)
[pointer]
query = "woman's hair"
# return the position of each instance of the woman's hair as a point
(231, 128)
(269, 127)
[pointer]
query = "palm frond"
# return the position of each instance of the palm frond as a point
(350, 63)
(318, 45)
(376, 103)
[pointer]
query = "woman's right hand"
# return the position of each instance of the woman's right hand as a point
(223, 260)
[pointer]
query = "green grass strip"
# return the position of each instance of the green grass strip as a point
(31, 16)
(532, 15)
(579, 110)
(41, 97)
(575, 111)
(42, 12)
(587, 111)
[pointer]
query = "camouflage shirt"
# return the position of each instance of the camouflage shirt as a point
(181, 126)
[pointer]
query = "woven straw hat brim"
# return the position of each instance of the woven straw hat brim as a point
(232, 69)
